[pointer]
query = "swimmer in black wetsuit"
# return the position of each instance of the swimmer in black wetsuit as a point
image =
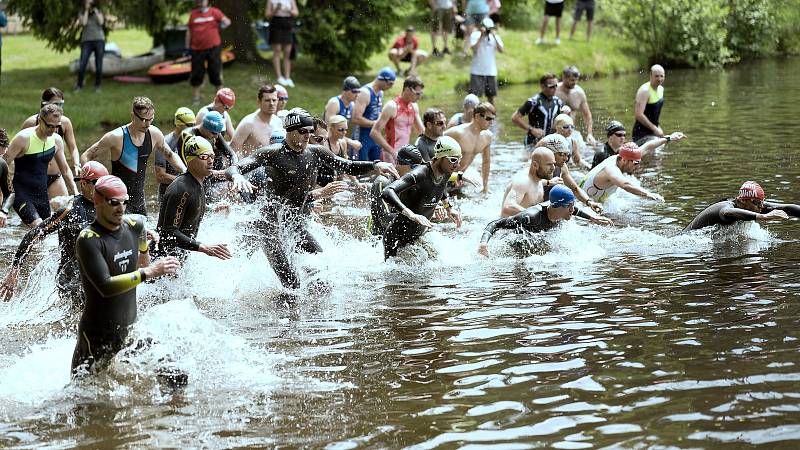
(184, 204)
(6, 190)
(110, 253)
(541, 217)
(293, 167)
(408, 157)
(68, 222)
(749, 205)
(417, 194)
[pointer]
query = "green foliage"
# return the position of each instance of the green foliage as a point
(515, 14)
(751, 27)
(341, 36)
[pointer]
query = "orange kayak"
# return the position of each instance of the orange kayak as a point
(180, 69)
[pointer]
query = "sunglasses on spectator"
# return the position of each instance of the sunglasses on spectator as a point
(116, 202)
(439, 123)
(341, 130)
(417, 93)
(551, 86)
(51, 126)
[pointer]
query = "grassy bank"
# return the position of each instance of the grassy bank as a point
(29, 66)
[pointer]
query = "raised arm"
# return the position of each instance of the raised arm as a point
(99, 149)
(653, 144)
(171, 157)
(789, 208)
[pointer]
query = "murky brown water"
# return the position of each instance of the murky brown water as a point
(625, 337)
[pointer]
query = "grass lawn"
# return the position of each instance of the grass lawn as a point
(29, 67)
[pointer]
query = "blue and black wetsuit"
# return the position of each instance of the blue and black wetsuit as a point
(726, 213)
(31, 200)
(533, 219)
(370, 150)
(109, 266)
(131, 168)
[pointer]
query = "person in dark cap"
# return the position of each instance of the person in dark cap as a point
(406, 49)
(342, 104)
(615, 131)
(381, 214)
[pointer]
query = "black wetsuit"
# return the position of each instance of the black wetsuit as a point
(602, 155)
(68, 222)
(533, 219)
(380, 212)
(425, 146)
(6, 189)
(418, 190)
(292, 176)
(224, 156)
(179, 219)
(131, 168)
(726, 213)
(109, 262)
(541, 113)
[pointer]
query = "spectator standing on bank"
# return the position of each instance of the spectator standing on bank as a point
(442, 23)
(205, 44)
(93, 40)
(582, 6)
(552, 8)
(281, 14)
(475, 11)
(485, 43)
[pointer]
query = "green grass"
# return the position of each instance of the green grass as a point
(29, 67)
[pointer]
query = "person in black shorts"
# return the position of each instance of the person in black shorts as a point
(68, 222)
(281, 15)
(113, 257)
(184, 204)
(203, 42)
(582, 6)
(417, 194)
(750, 204)
(293, 167)
(552, 8)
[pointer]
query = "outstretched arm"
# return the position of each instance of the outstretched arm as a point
(790, 209)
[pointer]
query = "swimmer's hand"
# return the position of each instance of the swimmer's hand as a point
(554, 181)
(9, 283)
(330, 190)
(439, 213)
(216, 250)
(153, 236)
(420, 219)
(776, 214)
(656, 197)
(600, 220)
(658, 132)
(3, 217)
(483, 249)
(224, 207)
(164, 266)
(240, 184)
(591, 140)
(455, 217)
(386, 168)
(596, 207)
(677, 136)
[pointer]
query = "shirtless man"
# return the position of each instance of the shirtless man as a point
(527, 186)
(398, 117)
(224, 101)
(129, 147)
(31, 151)
(606, 177)
(475, 137)
(255, 129)
(574, 96)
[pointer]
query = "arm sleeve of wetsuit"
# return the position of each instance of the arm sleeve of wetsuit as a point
(788, 208)
(226, 150)
(39, 232)
(579, 212)
(176, 204)
(738, 214)
(390, 194)
(327, 158)
(251, 163)
(499, 224)
(94, 267)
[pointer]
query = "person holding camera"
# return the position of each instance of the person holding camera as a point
(93, 40)
(485, 44)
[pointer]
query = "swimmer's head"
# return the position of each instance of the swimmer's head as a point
(387, 74)
(613, 127)
(409, 155)
(561, 197)
(226, 97)
(556, 143)
(91, 171)
(277, 136)
(283, 96)
(299, 127)
(630, 152)
(471, 101)
(196, 146)
(109, 187)
(564, 124)
(751, 196)
(445, 147)
(184, 117)
(214, 123)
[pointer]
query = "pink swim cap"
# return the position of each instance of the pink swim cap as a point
(92, 170)
(108, 187)
(630, 151)
(751, 189)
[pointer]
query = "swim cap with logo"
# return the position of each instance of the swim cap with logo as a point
(196, 146)
(561, 196)
(214, 122)
(297, 118)
(184, 116)
(92, 170)
(751, 190)
(446, 146)
(613, 127)
(630, 151)
(556, 143)
(409, 155)
(277, 136)
(227, 97)
(387, 74)
(351, 83)
(108, 187)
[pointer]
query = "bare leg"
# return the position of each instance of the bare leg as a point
(544, 27)
(572, 30)
(444, 38)
(277, 49)
(588, 29)
(287, 61)
(558, 27)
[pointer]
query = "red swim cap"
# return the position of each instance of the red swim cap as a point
(92, 170)
(751, 189)
(630, 151)
(227, 97)
(108, 187)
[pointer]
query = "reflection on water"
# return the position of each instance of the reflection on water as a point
(586, 337)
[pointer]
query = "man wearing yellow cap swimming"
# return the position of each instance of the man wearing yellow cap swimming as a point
(417, 194)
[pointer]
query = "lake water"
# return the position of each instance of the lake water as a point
(598, 337)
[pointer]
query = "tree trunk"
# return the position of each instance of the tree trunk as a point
(240, 33)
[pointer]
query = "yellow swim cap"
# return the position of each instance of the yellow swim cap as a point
(196, 146)
(446, 146)
(184, 116)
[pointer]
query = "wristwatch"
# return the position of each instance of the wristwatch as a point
(668, 138)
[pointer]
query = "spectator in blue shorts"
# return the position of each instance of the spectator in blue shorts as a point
(580, 7)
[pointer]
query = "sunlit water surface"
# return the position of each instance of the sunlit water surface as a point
(585, 337)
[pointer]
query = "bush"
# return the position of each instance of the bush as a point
(751, 28)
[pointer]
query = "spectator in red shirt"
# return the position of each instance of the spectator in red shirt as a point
(204, 42)
(406, 49)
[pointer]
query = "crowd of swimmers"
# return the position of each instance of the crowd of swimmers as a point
(288, 160)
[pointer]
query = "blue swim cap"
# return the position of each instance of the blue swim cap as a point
(561, 196)
(214, 122)
(387, 74)
(278, 136)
